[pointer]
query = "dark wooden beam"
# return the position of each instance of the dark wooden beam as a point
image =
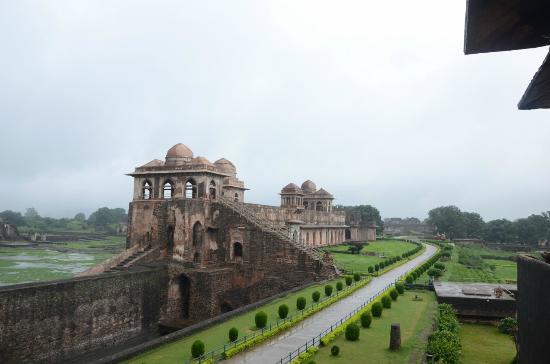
(504, 25)
(537, 95)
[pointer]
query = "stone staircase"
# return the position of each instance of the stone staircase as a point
(127, 262)
(266, 226)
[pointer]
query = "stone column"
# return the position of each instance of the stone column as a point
(395, 337)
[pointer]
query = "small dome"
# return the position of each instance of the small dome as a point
(309, 187)
(226, 166)
(178, 154)
(291, 188)
(201, 160)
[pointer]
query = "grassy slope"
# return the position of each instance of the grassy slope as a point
(415, 318)
(216, 336)
(483, 344)
(360, 263)
(54, 261)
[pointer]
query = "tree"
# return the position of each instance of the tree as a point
(500, 231)
(31, 213)
(533, 228)
(106, 216)
(370, 214)
(80, 217)
(12, 217)
(448, 220)
(473, 224)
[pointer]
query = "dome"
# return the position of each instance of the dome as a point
(291, 188)
(309, 187)
(201, 160)
(226, 166)
(178, 154)
(323, 192)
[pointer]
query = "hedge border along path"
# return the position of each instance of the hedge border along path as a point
(257, 340)
(291, 344)
(231, 352)
(331, 336)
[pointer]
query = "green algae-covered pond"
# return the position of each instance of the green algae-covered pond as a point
(50, 261)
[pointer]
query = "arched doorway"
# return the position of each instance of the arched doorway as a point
(170, 240)
(185, 294)
(212, 190)
(348, 234)
(238, 252)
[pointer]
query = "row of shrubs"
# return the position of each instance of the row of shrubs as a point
(261, 319)
(351, 330)
(444, 343)
(386, 263)
(412, 276)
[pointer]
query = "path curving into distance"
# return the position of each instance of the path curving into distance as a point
(273, 350)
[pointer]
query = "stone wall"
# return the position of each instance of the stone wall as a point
(55, 321)
(281, 215)
(533, 310)
(481, 308)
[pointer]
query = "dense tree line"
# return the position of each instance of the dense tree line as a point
(104, 219)
(458, 224)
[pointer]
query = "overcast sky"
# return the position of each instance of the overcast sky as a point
(374, 101)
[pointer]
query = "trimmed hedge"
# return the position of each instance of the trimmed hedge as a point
(366, 319)
(339, 286)
(352, 332)
(377, 309)
(328, 290)
(283, 311)
(315, 296)
(394, 294)
(400, 287)
(234, 334)
(356, 277)
(260, 319)
(301, 303)
(349, 280)
(386, 301)
(197, 349)
(335, 350)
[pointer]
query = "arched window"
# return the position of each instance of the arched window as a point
(237, 251)
(306, 205)
(319, 206)
(190, 188)
(295, 236)
(168, 189)
(147, 190)
(236, 197)
(197, 234)
(212, 190)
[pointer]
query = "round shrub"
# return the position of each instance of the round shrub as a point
(409, 279)
(283, 311)
(433, 272)
(315, 296)
(381, 265)
(366, 319)
(356, 277)
(301, 303)
(352, 332)
(386, 301)
(394, 294)
(400, 287)
(335, 350)
(260, 319)
(371, 269)
(508, 325)
(233, 334)
(339, 286)
(377, 267)
(377, 309)
(197, 349)
(349, 280)
(328, 289)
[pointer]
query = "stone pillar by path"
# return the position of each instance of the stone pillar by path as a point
(280, 346)
(395, 337)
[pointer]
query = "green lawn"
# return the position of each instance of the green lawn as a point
(415, 318)
(54, 261)
(216, 336)
(483, 344)
(382, 249)
(505, 270)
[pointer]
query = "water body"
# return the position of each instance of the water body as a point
(54, 261)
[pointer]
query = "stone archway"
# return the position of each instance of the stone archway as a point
(185, 294)
(170, 240)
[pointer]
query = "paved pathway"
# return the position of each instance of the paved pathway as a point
(273, 350)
